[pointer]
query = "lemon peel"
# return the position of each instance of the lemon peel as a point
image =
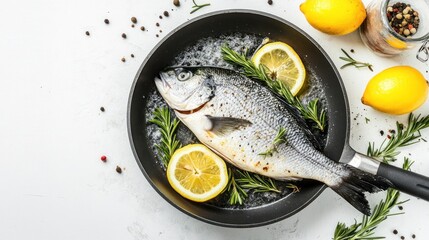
(396, 90)
(335, 17)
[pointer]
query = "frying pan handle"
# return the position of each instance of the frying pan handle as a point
(406, 181)
(403, 180)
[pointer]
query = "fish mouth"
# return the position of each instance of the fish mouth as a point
(188, 112)
(161, 83)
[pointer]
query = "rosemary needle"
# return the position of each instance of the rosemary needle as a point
(197, 7)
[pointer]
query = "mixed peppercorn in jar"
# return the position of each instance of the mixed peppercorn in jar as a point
(392, 26)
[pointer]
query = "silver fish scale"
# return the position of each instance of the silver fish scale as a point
(239, 97)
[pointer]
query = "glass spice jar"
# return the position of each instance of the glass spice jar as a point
(382, 38)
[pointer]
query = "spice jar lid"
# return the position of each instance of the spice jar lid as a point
(423, 52)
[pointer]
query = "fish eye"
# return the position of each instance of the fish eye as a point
(184, 75)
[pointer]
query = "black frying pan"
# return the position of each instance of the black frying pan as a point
(337, 148)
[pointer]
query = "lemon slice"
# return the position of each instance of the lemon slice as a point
(283, 64)
(196, 173)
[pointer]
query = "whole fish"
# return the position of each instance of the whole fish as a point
(252, 128)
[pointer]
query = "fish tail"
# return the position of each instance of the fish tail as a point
(354, 183)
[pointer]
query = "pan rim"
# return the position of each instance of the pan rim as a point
(320, 187)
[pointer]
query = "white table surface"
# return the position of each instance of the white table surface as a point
(54, 79)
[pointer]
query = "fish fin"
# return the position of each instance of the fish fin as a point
(291, 179)
(303, 124)
(225, 125)
(355, 183)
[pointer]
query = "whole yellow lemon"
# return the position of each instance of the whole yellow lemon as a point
(396, 90)
(335, 17)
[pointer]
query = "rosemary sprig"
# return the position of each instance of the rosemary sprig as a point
(278, 139)
(312, 112)
(197, 7)
(256, 182)
(168, 126)
(402, 137)
(309, 112)
(241, 182)
(352, 62)
(365, 229)
(236, 192)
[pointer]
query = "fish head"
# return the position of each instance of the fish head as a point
(185, 88)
